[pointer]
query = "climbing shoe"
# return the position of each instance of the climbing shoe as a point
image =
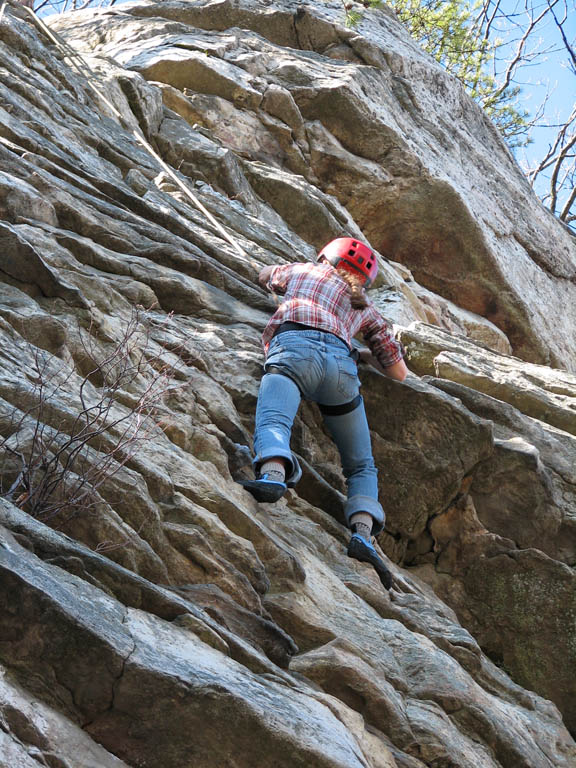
(264, 488)
(362, 550)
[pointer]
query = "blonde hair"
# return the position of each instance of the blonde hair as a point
(355, 283)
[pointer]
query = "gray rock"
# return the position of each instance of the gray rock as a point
(169, 610)
(545, 394)
(34, 734)
(410, 156)
(132, 654)
(420, 440)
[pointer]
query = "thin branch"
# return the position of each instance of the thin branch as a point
(554, 187)
(560, 25)
(519, 55)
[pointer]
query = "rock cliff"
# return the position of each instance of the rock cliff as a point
(152, 614)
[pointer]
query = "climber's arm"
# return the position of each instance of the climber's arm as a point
(386, 353)
(397, 371)
(275, 277)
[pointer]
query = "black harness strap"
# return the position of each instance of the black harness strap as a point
(289, 326)
(281, 372)
(340, 410)
(328, 410)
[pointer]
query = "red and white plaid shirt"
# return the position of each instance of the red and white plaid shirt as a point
(315, 295)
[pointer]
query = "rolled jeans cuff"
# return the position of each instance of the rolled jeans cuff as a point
(293, 474)
(365, 504)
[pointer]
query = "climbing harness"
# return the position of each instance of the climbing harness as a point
(341, 410)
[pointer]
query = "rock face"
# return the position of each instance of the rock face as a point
(152, 614)
(369, 119)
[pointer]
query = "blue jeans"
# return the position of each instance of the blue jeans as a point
(317, 365)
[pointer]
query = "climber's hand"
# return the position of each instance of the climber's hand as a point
(398, 371)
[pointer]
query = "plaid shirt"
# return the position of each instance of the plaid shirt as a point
(315, 295)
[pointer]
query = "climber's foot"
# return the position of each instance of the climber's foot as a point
(265, 489)
(362, 550)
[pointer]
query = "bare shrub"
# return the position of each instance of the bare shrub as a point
(54, 460)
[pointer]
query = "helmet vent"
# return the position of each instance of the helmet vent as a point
(352, 254)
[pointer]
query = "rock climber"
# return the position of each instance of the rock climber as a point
(309, 353)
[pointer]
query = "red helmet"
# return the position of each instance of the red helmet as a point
(352, 255)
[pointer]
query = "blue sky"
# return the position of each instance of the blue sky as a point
(549, 73)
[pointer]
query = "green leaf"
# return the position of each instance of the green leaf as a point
(353, 18)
